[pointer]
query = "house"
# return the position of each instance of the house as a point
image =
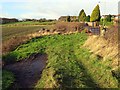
(104, 16)
(117, 18)
(72, 18)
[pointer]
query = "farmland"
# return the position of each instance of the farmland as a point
(28, 23)
(68, 64)
(22, 28)
(14, 34)
(9, 32)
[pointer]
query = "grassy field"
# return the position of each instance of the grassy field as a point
(22, 28)
(29, 23)
(8, 32)
(69, 65)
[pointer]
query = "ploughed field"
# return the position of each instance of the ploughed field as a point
(68, 64)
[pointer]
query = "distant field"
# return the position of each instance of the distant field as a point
(22, 28)
(8, 32)
(29, 23)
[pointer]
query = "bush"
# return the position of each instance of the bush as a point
(108, 18)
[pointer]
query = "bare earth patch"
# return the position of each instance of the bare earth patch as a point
(28, 72)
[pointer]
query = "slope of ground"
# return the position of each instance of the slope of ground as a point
(14, 35)
(68, 65)
(107, 46)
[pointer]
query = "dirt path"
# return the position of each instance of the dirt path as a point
(28, 72)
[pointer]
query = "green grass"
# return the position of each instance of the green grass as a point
(68, 65)
(7, 79)
(99, 70)
(106, 23)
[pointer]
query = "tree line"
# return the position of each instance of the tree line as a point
(95, 16)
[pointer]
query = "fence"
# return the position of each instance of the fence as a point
(94, 30)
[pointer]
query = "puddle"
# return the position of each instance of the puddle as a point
(28, 72)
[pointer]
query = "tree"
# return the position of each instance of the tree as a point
(68, 18)
(82, 16)
(87, 19)
(108, 18)
(95, 16)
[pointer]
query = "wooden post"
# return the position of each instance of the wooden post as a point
(92, 24)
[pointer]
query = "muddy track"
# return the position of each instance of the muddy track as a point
(28, 72)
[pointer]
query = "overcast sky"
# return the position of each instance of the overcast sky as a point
(53, 9)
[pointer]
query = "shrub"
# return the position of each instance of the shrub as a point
(108, 18)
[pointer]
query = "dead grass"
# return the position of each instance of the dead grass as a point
(112, 35)
(12, 43)
(107, 46)
(69, 27)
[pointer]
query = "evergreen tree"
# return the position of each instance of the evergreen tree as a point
(108, 18)
(68, 18)
(95, 16)
(82, 16)
(87, 19)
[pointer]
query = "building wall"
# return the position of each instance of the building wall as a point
(64, 18)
